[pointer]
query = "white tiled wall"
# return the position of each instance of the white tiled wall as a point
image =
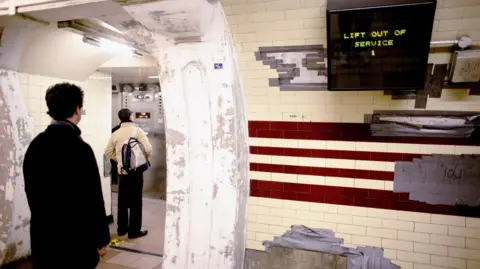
(412, 240)
(95, 125)
(256, 23)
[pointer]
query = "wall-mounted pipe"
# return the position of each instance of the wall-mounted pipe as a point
(463, 42)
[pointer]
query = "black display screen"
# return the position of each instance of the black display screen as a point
(379, 48)
(142, 115)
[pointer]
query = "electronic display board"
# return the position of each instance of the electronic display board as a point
(382, 47)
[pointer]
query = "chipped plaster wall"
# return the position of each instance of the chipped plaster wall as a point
(206, 131)
(16, 132)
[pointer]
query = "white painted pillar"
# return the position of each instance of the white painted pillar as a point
(16, 132)
(206, 131)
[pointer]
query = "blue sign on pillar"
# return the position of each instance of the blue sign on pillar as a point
(218, 66)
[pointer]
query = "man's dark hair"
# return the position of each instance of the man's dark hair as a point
(124, 115)
(63, 99)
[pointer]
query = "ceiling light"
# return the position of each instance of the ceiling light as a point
(108, 45)
(153, 77)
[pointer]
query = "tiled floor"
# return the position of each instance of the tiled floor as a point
(153, 221)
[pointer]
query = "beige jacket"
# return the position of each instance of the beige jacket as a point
(114, 147)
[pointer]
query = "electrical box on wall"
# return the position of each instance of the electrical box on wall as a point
(465, 67)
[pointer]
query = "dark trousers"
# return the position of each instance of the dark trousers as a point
(114, 172)
(130, 197)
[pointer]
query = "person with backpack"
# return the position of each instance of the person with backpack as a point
(63, 188)
(130, 148)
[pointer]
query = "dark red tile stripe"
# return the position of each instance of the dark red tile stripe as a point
(343, 132)
(335, 154)
(354, 197)
(321, 171)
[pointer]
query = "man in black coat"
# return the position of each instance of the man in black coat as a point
(69, 227)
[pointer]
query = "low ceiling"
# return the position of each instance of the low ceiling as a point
(131, 74)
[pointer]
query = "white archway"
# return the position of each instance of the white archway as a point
(206, 129)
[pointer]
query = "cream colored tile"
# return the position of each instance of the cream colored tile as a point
(463, 253)
(403, 148)
(256, 245)
(449, 262)
(473, 243)
(467, 150)
(340, 163)
(313, 180)
(327, 208)
(284, 143)
(382, 213)
(397, 244)
(257, 227)
(366, 241)
(250, 235)
(323, 225)
(430, 249)
(308, 215)
(294, 221)
(312, 144)
(389, 185)
(403, 264)
(352, 210)
(352, 229)
(414, 237)
(413, 257)
(371, 147)
(341, 145)
(366, 221)
(260, 175)
(254, 158)
(473, 264)
(370, 165)
(298, 205)
(436, 149)
(290, 178)
(473, 222)
(277, 230)
(268, 202)
(390, 253)
(285, 160)
(414, 216)
(383, 233)
(398, 225)
(281, 212)
(336, 218)
(311, 162)
(447, 240)
(370, 184)
(430, 228)
(260, 142)
(255, 209)
(464, 232)
(448, 220)
(339, 181)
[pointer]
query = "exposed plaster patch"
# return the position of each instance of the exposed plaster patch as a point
(138, 32)
(215, 191)
(213, 2)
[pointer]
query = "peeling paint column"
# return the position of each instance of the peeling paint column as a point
(16, 132)
(206, 131)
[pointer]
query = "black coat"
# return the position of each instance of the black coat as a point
(63, 188)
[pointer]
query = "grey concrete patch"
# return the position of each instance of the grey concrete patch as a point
(440, 179)
(299, 67)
